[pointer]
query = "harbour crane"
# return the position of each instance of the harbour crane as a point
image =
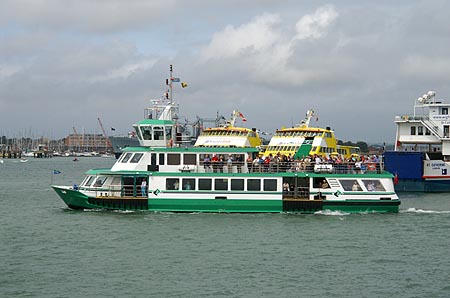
(108, 142)
(78, 140)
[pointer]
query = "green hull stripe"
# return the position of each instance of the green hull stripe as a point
(196, 205)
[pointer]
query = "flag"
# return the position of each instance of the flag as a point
(184, 84)
(176, 80)
(243, 117)
(56, 172)
(113, 129)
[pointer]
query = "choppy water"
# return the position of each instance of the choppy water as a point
(47, 250)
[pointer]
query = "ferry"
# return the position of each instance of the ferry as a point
(420, 160)
(159, 177)
(229, 135)
(302, 140)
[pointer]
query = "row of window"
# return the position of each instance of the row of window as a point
(283, 148)
(130, 157)
(155, 132)
(229, 133)
(301, 134)
(221, 184)
(419, 130)
(175, 159)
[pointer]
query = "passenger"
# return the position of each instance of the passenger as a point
(176, 185)
(325, 184)
(144, 187)
(215, 162)
(355, 186)
(370, 186)
(207, 163)
(187, 186)
(221, 163)
(285, 188)
(229, 162)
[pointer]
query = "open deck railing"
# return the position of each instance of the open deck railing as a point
(293, 166)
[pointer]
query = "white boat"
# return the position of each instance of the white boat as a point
(421, 157)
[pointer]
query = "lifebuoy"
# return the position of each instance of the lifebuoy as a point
(371, 167)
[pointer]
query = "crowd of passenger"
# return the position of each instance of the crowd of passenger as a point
(287, 163)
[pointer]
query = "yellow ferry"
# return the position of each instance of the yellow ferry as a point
(229, 135)
(303, 140)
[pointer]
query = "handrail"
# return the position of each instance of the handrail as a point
(346, 167)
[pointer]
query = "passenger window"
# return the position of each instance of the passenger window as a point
(237, 184)
(253, 185)
(204, 184)
(270, 184)
(221, 184)
(126, 157)
(172, 184)
(136, 157)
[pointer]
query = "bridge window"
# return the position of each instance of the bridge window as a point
(420, 130)
(168, 132)
(146, 133)
(444, 111)
(413, 130)
(158, 133)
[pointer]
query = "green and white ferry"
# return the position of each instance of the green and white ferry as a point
(190, 180)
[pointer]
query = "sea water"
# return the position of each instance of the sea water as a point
(48, 250)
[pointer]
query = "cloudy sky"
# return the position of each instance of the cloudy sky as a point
(64, 63)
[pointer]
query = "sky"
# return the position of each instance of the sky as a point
(356, 63)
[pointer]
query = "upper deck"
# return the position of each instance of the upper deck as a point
(197, 160)
(428, 125)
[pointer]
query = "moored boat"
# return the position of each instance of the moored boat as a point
(303, 140)
(421, 157)
(229, 135)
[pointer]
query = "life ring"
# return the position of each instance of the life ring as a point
(371, 167)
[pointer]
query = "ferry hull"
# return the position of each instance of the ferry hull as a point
(215, 205)
(77, 200)
(73, 198)
(422, 185)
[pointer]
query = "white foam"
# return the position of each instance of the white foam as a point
(422, 211)
(331, 213)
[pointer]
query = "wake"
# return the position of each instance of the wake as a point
(422, 211)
